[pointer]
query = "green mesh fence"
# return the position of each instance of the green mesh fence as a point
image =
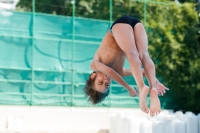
(41, 63)
(45, 59)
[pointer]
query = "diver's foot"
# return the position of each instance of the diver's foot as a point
(143, 92)
(154, 102)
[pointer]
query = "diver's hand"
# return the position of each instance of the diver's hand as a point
(132, 92)
(161, 88)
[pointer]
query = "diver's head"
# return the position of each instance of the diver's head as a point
(97, 87)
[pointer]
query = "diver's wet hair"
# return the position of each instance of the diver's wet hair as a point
(94, 96)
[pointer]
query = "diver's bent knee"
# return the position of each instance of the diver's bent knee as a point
(132, 55)
(143, 55)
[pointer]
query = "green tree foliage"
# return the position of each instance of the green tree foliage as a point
(60, 7)
(93, 9)
(98, 9)
(175, 49)
(172, 33)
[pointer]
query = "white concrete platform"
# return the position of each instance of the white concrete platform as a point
(27, 119)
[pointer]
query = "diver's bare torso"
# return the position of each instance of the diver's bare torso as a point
(110, 54)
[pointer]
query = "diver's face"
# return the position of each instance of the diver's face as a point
(102, 81)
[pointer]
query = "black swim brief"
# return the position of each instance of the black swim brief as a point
(127, 20)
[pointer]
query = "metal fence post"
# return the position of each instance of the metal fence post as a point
(32, 69)
(145, 8)
(111, 15)
(72, 49)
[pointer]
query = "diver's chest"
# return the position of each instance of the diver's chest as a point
(109, 58)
